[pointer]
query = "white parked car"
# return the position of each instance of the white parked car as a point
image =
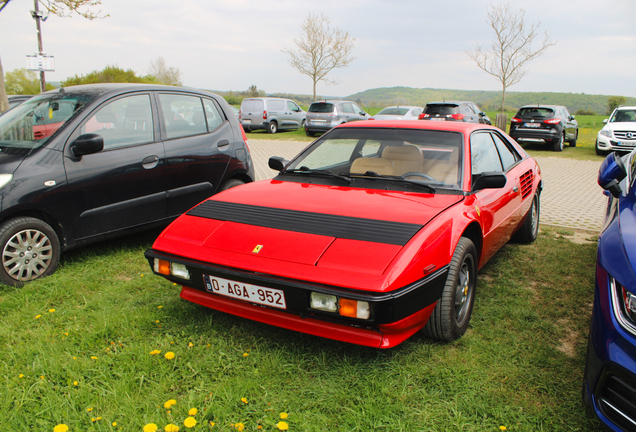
(619, 132)
(398, 113)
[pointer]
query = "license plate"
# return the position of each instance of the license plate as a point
(438, 118)
(533, 125)
(318, 122)
(246, 292)
(247, 121)
(626, 143)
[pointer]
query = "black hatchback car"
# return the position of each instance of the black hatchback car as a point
(465, 111)
(86, 163)
(549, 124)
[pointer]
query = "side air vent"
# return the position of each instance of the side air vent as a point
(526, 181)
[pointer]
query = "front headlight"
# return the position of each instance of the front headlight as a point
(606, 132)
(4, 179)
(624, 305)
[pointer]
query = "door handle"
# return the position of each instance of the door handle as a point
(150, 162)
(223, 143)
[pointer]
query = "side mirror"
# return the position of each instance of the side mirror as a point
(611, 173)
(481, 113)
(605, 121)
(87, 144)
(277, 163)
(572, 117)
(489, 180)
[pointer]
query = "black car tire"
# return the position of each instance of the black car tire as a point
(272, 128)
(309, 133)
(576, 136)
(230, 184)
(530, 228)
(447, 323)
(302, 125)
(30, 250)
(557, 143)
(599, 152)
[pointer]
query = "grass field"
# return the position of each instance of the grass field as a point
(88, 348)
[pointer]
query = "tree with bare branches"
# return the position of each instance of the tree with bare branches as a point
(164, 74)
(511, 48)
(321, 49)
(61, 8)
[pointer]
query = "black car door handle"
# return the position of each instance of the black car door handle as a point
(150, 162)
(223, 143)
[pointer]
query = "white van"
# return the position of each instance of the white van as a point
(271, 114)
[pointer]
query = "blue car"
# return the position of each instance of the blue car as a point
(609, 386)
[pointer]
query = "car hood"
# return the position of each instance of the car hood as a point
(620, 126)
(10, 159)
(304, 231)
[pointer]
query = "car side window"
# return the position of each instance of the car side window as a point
(467, 109)
(508, 157)
(123, 122)
(357, 109)
(416, 112)
(346, 107)
(212, 115)
(183, 115)
(292, 106)
(484, 155)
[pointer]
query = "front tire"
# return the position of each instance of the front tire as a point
(230, 184)
(530, 229)
(30, 250)
(272, 128)
(557, 144)
(451, 316)
(576, 136)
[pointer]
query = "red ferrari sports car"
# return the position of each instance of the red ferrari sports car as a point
(374, 232)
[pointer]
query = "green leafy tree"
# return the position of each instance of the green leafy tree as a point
(614, 102)
(61, 8)
(110, 74)
(23, 82)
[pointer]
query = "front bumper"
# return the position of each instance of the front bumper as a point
(610, 377)
(612, 144)
(394, 316)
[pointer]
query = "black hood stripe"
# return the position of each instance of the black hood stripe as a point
(352, 228)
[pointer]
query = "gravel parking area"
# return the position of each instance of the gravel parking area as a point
(571, 197)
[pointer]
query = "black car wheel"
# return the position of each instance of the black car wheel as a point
(557, 143)
(30, 250)
(530, 228)
(576, 136)
(272, 128)
(309, 133)
(452, 313)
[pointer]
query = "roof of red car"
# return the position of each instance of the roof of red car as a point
(455, 126)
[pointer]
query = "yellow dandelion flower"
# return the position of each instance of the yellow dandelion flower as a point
(94, 357)
(36, 317)
(259, 427)
(190, 344)
(20, 376)
(282, 425)
(150, 427)
(190, 422)
(211, 422)
(114, 424)
(60, 428)
(41, 376)
(169, 403)
(74, 358)
(89, 409)
(239, 426)
(169, 355)
(154, 352)
(159, 307)
(503, 428)
(143, 276)
(93, 419)
(156, 321)
(193, 412)
(66, 334)
(283, 415)
(244, 400)
(245, 354)
(51, 310)
(75, 383)
(171, 428)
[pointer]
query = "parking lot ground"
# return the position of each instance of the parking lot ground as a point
(571, 197)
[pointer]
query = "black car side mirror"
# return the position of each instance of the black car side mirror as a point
(489, 180)
(277, 163)
(87, 144)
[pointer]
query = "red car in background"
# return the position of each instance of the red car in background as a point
(374, 232)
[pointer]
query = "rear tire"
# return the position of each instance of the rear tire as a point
(309, 133)
(272, 128)
(530, 228)
(557, 144)
(30, 250)
(451, 316)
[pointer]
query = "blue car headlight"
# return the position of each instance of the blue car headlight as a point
(624, 305)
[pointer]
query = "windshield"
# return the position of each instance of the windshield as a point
(393, 111)
(624, 115)
(422, 155)
(536, 112)
(441, 109)
(31, 124)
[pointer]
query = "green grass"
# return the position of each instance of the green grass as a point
(520, 364)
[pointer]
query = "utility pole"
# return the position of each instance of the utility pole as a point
(37, 16)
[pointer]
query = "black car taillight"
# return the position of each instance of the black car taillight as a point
(552, 121)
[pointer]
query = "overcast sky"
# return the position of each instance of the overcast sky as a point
(232, 44)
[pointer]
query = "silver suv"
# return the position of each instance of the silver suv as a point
(323, 115)
(271, 114)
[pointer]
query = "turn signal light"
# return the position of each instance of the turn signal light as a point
(354, 309)
(162, 267)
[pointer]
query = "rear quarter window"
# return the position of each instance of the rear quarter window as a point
(276, 105)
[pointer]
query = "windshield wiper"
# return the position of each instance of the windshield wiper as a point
(305, 170)
(375, 175)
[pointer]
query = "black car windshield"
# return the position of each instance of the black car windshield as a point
(321, 107)
(624, 115)
(393, 111)
(535, 112)
(441, 109)
(428, 156)
(31, 124)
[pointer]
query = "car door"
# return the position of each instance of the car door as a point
(359, 112)
(295, 114)
(123, 185)
(198, 148)
(498, 209)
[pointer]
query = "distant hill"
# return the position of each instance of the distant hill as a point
(487, 100)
